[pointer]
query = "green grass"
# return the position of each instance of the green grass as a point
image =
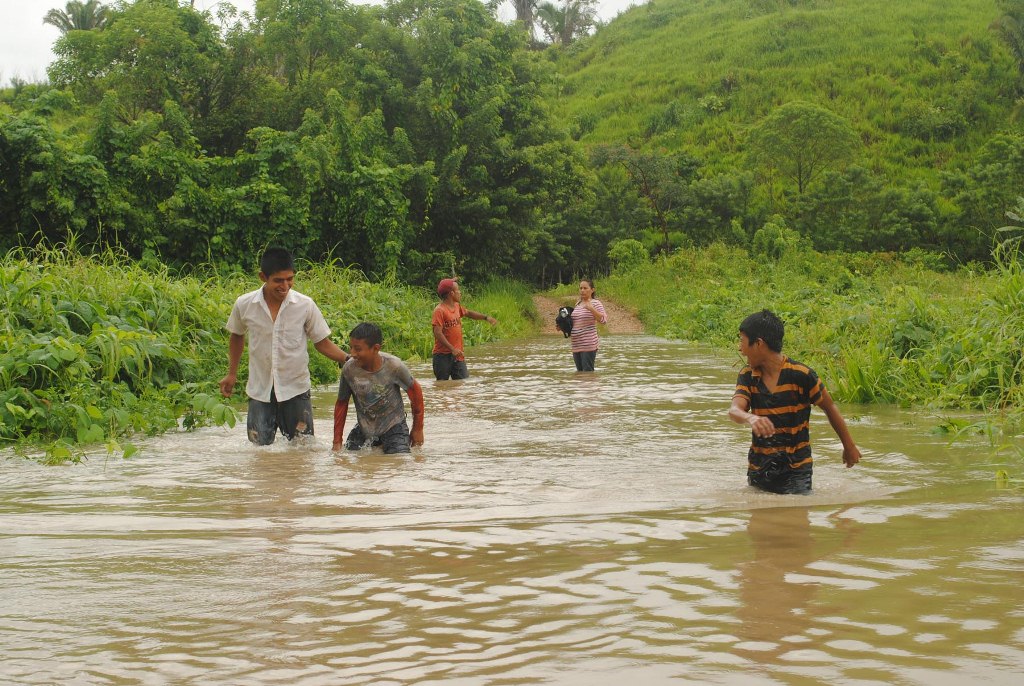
(878, 328)
(679, 74)
(97, 349)
(882, 328)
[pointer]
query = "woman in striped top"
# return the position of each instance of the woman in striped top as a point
(586, 315)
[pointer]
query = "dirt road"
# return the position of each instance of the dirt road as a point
(620, 320)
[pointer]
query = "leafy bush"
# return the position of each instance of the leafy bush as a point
(627, 254)
(774, 239)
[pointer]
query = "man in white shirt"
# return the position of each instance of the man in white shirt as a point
(278, 321)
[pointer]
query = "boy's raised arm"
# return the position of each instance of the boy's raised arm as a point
(480, 315)
(415, 392)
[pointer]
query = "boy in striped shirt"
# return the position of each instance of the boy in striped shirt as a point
(773, 396)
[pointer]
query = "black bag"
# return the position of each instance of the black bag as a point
(564, 320)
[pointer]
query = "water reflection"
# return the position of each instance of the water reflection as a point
(772, 607)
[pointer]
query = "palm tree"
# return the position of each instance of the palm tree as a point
(78, 16)
(552, 21)
(1010, 27)
(566, 23)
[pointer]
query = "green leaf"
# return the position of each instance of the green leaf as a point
(67, 354)
(59, 453)
(91, 434)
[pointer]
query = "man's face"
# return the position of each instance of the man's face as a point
(277, 285)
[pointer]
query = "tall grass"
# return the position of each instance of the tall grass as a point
(96, 349)
(878, 328)
(883, 328)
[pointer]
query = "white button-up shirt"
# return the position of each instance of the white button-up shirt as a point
(278, 355)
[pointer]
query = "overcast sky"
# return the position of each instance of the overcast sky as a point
(26, 42)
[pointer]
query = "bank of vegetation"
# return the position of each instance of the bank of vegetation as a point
(880, 327)
(95, 349)
(425, 136)
(767, 143)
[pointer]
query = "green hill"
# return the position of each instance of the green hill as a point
(923, 83)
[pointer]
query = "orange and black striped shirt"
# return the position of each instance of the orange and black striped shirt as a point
(789, 408)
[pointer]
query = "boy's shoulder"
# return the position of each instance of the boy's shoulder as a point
(299, 297)
(798, 367)
(458, 311)
(394, 361)
(251, 296)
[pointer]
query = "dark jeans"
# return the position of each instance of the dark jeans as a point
(776, 477)
(394, 440)
(293, 416)
(447, 367)
(585, 360)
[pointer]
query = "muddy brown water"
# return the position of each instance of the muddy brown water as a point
(556, 528)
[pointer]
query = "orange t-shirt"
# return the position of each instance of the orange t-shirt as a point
(450, 322)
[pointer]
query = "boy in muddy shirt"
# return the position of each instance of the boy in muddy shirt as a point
(376, 380)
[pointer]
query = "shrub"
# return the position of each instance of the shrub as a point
(627, 254)
(775, 239)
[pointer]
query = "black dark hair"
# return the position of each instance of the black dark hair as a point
(276, 260)
(366, 331)
(592, 286)
(765, 325)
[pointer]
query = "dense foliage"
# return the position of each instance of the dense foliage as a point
(919, 100)
(425, 137)
(410, 140)
(96, 349)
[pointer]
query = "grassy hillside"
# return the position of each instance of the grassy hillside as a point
(923, 82)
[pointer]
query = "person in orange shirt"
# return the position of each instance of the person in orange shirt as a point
(449, 359)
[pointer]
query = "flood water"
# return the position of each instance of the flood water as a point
(556, 528)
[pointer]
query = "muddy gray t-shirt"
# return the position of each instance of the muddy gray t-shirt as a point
(377, 395)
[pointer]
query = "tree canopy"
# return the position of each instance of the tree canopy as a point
(800, 141)
(78, 16)
(425, 136)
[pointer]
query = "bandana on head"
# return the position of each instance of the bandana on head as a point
(445, 286)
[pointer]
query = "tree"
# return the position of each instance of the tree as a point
(565, 23)
(525, 14)
(47, 189)
(151, 52)
(79, 16)
(1010, 27)
(800, 140)
(661, 179)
